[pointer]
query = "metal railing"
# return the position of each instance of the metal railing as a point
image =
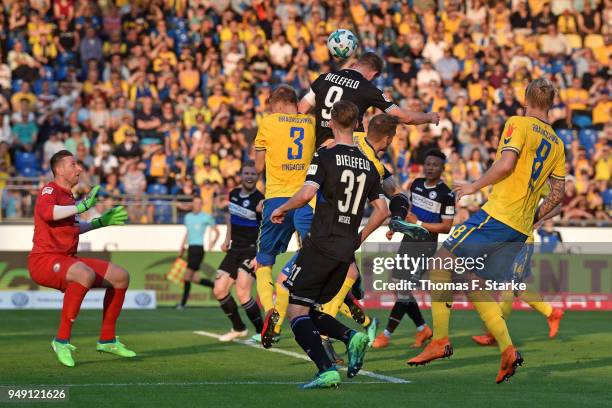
(18, 197)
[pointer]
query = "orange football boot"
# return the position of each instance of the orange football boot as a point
(434, 350)
(510, 359)
(486, 339)
(381, 341)
(421, 337)
(553, 322)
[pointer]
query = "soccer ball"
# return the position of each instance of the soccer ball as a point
(342, 43)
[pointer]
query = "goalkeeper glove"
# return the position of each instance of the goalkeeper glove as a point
(114, 216)
(89, 200)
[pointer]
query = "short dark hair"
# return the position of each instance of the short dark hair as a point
(436, 153)
(382, 125)
(345, 114)
(248, 163)
(57, 158)
(283, 93)
(372, 61)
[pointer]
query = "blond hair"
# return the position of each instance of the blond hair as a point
(540, 94)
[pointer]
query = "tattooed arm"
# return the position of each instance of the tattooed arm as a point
(557, 187)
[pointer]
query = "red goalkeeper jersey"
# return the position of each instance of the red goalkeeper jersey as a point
(54, 237)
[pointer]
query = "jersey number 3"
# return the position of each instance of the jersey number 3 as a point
(333, 95)
(348, 178)
(297, 134)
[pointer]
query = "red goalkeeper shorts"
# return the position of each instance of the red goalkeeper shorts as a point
(50, 270)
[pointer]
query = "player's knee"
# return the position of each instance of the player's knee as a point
(219, 290)
(243, 295)
(120, 277)
(82, 274)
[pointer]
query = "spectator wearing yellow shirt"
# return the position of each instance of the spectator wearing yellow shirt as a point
(296, 29)
(602, 111)
(198, 108)
(160, 54)
(23, 94)
(189, 77)
(217, 99)
(603, 163)
(158, 163)
(575, 97)
(208, 173)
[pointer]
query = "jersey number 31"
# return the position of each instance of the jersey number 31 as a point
(348, 178)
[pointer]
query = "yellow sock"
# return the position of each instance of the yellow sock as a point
(441, 304)
(440, 313)
(536, 302)
(367, 321)
(344, 309)
(506, 309)
(265, 287)
(491, 315)
(282, 301)
(332, 307)
(506, 304)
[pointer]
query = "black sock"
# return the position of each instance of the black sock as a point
(308, 337)
(412, 310)
(186, 290)
(395, 317)
(399, 205)
(228, 304)
(206, 282)
(330, 327)
(254, 313)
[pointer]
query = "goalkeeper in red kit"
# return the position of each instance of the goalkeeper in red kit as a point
(54, 263)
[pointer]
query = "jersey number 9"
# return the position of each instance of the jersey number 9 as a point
(333, 95)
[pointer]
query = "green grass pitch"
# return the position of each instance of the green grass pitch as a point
(177, 368)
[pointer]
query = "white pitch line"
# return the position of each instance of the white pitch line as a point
(179, 384)
(383, 378)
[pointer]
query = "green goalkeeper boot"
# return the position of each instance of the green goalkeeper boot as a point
(329, 378)
(63, 352)
(115, 347)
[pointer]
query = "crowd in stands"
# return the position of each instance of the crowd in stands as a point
(163, 97)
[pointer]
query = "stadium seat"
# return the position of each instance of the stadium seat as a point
(567, 135)
(162, 213)
(25, 160)
(574, 40)
(593, 41)
(157, 189)
(582, 121)
(16, 85)
(588, 139)
(28, 172)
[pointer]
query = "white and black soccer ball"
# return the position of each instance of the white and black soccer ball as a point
(342, 43)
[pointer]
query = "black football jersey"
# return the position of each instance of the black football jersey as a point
(244, 218)
(345, 85)
(345, 179)
(431, 204)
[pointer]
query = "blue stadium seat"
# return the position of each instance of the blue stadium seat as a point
(25, 160)
(567, 135)
(588, 139)
(582, 121)
(157, 189)
(16, 85)
(61, 72)
(28, 172)
(162, 213)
